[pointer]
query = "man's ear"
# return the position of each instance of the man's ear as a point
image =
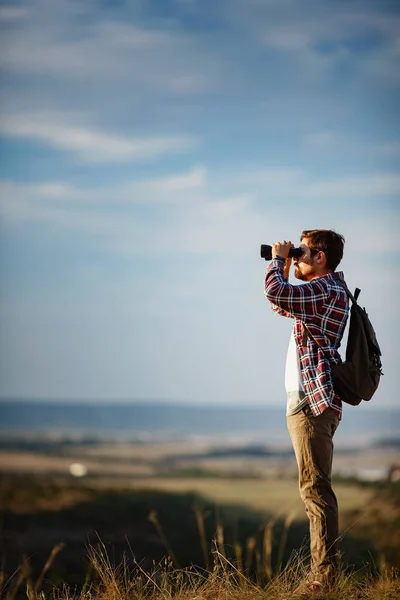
(321, 258)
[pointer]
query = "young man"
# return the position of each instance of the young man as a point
(320, 309)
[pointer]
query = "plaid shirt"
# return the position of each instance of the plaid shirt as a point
(322, 305)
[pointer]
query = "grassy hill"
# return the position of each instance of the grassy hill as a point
(239, 551)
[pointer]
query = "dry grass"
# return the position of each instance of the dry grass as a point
(225, 579)
(247, 571)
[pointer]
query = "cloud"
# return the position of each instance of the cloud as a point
(322, 139)
(211, 214)
(52, 190)
(91, 145)
(195, 178)
(80, 43)
(292, 28)
(319, 35)
(355, 187)
(332, 143)
(10, 13)
(298, 184)
(189, 217)
(288, 38)
(106, 209)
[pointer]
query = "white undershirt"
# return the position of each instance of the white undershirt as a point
(293, 379)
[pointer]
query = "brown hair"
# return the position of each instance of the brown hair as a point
(327, 241)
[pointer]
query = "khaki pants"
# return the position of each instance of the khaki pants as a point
(313, 446)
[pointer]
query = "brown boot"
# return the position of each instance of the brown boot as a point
(308, 589)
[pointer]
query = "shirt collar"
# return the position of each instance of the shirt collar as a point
(336, 275)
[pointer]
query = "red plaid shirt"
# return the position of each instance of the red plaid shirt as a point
(323, 306)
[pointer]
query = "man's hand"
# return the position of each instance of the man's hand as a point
(282, 249)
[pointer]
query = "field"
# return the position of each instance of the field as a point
(146, 501)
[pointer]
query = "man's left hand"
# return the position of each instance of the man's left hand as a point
(281, 249)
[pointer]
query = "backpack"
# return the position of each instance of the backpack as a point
(358, 377)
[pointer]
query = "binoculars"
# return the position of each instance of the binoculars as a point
(266, 252)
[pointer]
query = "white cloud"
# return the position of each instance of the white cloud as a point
(114, 34)
(329, 141)
(91, 145)
(49, 200)
(317, 34)
(10, 13)
(293, 28)
(209, 215)
(198, 221)
(235, 205)
(51, 190)
(355, 187)
(322, 139)
(195, 178)
(79, 43)
(297, 184)
(288, 38)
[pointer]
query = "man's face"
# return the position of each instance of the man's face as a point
(304, 267)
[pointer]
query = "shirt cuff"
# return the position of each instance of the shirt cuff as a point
(278, 262)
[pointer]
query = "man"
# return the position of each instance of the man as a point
(320, 309)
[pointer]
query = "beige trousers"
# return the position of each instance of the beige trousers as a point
(313, 446)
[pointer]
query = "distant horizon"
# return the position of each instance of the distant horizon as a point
(231, 423)
(186, 404)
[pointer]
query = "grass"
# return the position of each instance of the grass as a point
(272, 495)
(225, 580)
(248, 559)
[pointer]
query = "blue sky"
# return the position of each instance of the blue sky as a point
(148, 149)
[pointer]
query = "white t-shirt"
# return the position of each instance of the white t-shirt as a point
(295, 397)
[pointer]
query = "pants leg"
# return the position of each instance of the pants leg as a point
(313, 446)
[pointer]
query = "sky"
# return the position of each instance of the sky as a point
(148, 148)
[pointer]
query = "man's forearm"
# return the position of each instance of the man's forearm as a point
(286, 269)
(280, 264)
(286, 262)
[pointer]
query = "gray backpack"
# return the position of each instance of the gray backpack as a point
(358, 377)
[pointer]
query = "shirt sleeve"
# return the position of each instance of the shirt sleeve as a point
(276, 309)
(281, 311)
(301, 301)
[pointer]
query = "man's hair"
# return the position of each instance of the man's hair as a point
(329, 242)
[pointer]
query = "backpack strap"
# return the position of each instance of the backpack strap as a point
(354, 299)
(350, 295)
